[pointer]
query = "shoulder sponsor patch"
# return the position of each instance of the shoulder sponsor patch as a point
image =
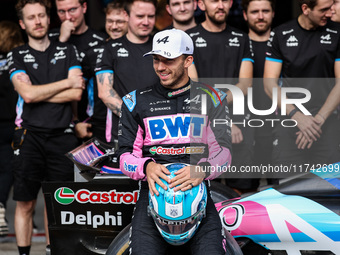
(130, 100)
(221, 94)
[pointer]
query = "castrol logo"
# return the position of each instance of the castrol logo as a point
(66, 196)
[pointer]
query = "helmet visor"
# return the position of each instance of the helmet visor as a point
(180, 226)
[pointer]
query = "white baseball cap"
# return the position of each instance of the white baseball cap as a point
(171, 44)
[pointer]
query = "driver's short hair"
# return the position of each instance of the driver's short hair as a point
(245, 4)
(128, 4)
(168, 1)
(22, 3)
(114, 5)
(310, 3)
(80, 1)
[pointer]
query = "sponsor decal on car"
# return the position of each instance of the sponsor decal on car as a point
(66, 196)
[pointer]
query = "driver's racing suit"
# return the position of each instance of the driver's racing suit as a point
(167, 126)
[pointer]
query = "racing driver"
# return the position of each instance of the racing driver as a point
(174, 120)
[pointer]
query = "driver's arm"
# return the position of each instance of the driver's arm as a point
(130, 139)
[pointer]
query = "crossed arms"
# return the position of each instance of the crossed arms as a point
(62, 91)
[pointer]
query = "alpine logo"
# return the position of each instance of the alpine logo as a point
(59, 55)
(195, 100)
(234, 42)
(92, 44)
(200, 42)
(292, 41)
(64, 196)
(326, 39)
(163, 40)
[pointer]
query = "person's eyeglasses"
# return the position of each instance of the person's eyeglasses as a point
(70, 11)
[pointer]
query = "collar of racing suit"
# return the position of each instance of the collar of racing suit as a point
(173, 93)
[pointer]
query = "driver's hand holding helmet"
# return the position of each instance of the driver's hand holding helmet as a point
(177, 212)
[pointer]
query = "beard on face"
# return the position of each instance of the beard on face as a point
(174, 82)
(257, 30)
(37, 36)
(216, 21)
(179, 76)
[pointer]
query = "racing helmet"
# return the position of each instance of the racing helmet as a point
(177, 215)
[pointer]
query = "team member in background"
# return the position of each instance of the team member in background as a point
(10, 37)
(48, 77)
(116, 26)
(259, 15)
(113, 71)
(222, 51)
(336, 11)
(168, 99)
(307, 47)
(116, 20)
(74, 30)
(182, 12)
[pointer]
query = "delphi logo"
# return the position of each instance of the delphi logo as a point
(64, 196)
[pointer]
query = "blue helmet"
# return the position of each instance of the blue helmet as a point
(177, 215)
